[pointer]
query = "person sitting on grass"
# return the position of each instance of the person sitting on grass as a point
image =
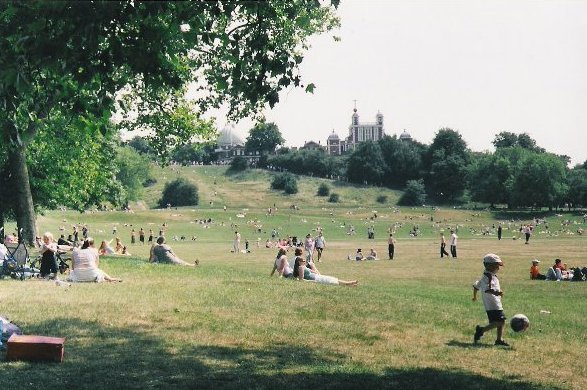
(106, 249)
(302, 272)
(48, 256)
(162, 253)
(84, 265)
(535, 271)
(281, 265)
(372, 255)
(119, 247)
(359, 255)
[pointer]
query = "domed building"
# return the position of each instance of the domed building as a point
(227, 138)
(405, 136)
(231, 145)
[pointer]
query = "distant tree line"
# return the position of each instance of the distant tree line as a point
(517, 174)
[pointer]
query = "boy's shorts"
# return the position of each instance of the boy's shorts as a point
(496, 316)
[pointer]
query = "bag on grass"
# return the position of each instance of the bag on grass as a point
(8, 329)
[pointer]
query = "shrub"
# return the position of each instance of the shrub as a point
(382, 199)
(179, 192)
(414, 194)
(286, 182)
(238, 164)
(334, 198)
(291, 187)
(323, 190)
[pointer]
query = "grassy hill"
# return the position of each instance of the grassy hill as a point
(252, 189)
(226, 324)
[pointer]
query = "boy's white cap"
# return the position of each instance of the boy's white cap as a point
(535, 261)
(492, 258)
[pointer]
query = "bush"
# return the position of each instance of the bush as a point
(382, 199)
(179, 192)
(238, 164)
(334, 198)
(291, 187)
(323, 190)
(286, 182)
(414, 194)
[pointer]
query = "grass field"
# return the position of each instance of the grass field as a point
(226, 324)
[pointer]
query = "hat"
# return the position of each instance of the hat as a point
(491, 258)
(535, 261)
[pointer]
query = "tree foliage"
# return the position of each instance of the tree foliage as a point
(306, 162)
(507, 139)
(179, 192)
(577, 183)
(414, 194)
(366, 164)
(403, 160)
(264, 138)
(194, 152)
(446, 161)
(238, 164)
(134, 172)
(85, 60)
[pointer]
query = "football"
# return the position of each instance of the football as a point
(519, 323)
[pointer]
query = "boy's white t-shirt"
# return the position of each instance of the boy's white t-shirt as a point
(489, 281)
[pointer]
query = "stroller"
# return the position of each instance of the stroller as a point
(16, 264)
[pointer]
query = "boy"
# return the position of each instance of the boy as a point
(489, 286)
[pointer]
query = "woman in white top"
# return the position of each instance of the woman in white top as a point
(281, 265)
(84, 267)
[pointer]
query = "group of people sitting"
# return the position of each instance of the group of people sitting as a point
(119, 248)
(558, 271)
(85, 258)
(372, 255)
(85, 261)
(302, 268)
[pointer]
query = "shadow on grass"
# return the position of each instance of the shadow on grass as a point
(98, 357)
(461, 344)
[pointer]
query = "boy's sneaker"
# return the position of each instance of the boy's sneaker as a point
(502, 343)
(478, 334)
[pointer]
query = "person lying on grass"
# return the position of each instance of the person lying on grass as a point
(302, 272)
(162, 253)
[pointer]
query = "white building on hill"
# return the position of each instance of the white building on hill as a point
(358, 132)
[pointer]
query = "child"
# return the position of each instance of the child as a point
(535, 271)
(489, 286)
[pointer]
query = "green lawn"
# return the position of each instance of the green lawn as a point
(227, 324)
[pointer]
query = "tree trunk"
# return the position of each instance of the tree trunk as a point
(24, 209)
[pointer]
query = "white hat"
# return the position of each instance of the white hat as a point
(491, 258)
(535, 261)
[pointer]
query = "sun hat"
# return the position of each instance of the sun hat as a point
(491, 258)
(535, 261)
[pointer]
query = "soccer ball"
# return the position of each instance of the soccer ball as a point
(519, 323)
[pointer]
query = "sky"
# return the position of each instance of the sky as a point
(477, 67)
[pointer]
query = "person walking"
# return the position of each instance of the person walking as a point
(527, 233)
(443, 251)
(319, 244)
(453, 244)
(499, 231)
(391, 246)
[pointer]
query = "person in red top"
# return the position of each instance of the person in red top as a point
(535, 271)
(559, 264)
